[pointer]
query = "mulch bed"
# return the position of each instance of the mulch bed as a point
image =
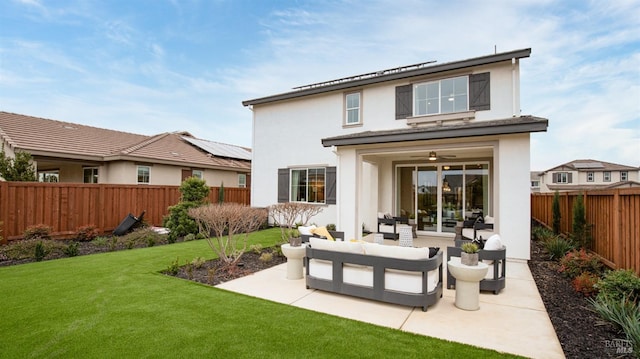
(582, 332)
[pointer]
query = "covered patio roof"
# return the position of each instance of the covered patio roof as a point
(522, 124)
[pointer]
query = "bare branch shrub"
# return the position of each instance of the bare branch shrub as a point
(230, 225)
(285, 215)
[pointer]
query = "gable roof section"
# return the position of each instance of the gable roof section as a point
(64, 140)
(390, 75)
(523, 124)
(588, 165)
(45, 137)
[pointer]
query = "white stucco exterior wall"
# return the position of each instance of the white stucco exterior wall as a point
(512, 194)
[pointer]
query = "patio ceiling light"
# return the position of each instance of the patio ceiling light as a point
(432, 156)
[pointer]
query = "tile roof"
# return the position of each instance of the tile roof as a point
(588, 165)
(52, 138)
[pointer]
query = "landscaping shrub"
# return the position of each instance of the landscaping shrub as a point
(557, 246)
(624, 314)
(580, 230)
(40, 251)
(194, 193)
(189, 237)
(142, 237)
(266, 257)
(198, 262)
(541, 233)
(586, 283)
(230, 224)
(557, 215)
(620, 284)
(38, 231)
(173, 268)
(577, 262)
(86, 233)
(72, 249)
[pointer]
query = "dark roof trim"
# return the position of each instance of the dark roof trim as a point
(524, 124)
(477, 61)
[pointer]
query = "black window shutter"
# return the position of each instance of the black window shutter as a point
(404, 102)
(479, 92)
(283, 185)
(330, 185)
(569, 180)
(555, 177)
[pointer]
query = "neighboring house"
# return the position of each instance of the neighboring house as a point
(69, 152)
(579, 175)
(434, 142)
(535, 182)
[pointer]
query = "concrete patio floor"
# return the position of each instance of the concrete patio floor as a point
(514, 321)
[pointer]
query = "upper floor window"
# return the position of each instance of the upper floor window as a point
(307, 185)
(90, 174)
(562, 177)
(535, 184)
(624, 176)
(242, 180)
(352, 108)
(590, 176)
(606, 176)
(442, 96)
(143, 174)
(197, 173)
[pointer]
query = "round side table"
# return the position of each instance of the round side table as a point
(467, 283)
(294, 260)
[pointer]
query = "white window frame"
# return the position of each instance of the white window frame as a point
(624, 176)
(352, 109)
(94, 174)
(590, 177)
(242, 180)
(562, 177)
(44, 175)
(440, 97)
(535, 184)
(148, 175)
(307, 185)
(606, 176)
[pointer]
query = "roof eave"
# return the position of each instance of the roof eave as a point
(455, 65)
(443, 133)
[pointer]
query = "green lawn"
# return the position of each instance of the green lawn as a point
(119, 305)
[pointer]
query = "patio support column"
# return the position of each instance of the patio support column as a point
(349, 174)
(512, 188)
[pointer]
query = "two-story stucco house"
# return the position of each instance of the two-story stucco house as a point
(580, 175)
(434, 142)
(70, 152)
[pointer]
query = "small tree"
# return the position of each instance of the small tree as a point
(580, 231)
(285, 215)
(19, 168)
(194, 193)
(557, 216)
(221, 193)
(230, 224)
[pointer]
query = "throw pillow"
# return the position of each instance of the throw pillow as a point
(323, 232)
(488, 220)
(388, 216)
(307, 231)
(492, 244)
(433, 251)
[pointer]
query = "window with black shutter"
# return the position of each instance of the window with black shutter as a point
(479, 92)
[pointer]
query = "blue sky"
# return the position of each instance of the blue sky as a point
(160, 66)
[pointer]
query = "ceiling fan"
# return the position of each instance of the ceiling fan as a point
(433, 156)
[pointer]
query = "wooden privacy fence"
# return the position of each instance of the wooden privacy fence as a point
(67, 206)
(614, 216)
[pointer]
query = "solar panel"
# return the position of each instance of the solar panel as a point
(221, 149)
(582, 165)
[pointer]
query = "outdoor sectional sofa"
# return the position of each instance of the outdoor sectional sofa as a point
(392, 274)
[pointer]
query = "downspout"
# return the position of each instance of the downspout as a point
(513, 87)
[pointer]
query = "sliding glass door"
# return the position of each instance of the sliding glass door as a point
(435, 197)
